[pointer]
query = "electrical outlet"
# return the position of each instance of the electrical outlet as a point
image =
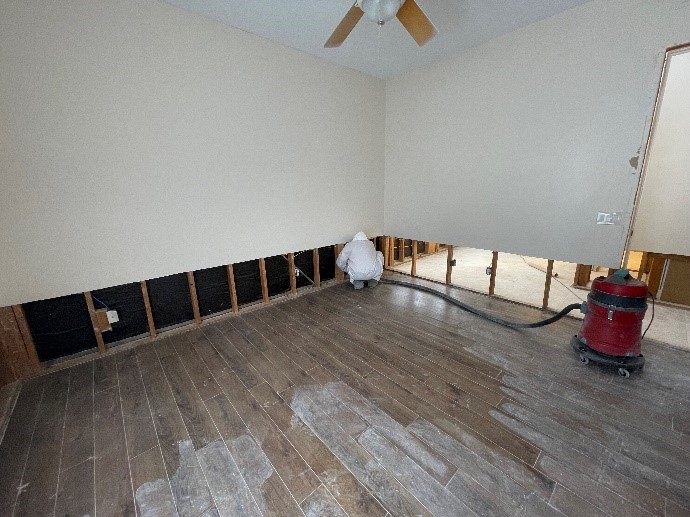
(113, 317)
(609, 217)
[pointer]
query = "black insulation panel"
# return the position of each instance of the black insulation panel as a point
(247, 281)
(128, 301)
(60, 326)
(171, 303)
(277, 275)
(212, 290)
(305, 261)
(421, 247)
(327, 263)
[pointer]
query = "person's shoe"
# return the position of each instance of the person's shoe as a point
(359, 284)
(372, 283)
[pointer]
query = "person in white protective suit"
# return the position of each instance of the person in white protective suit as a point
(360, 260)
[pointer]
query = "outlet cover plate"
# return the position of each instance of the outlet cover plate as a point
(609, 217)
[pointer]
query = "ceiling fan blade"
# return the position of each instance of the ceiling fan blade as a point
(345, 27)
(416, 22)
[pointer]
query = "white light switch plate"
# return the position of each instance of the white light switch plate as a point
(112, 316)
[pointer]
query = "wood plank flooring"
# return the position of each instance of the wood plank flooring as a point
(377, 402)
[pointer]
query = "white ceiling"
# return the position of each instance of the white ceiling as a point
(379, 51)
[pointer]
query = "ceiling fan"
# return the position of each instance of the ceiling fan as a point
(380, 11)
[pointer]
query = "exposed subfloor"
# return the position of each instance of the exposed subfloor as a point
(341, 402)
(522, 279)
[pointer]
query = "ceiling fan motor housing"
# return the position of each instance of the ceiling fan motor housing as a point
(380, 11)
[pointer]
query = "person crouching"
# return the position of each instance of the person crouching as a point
(360, 260)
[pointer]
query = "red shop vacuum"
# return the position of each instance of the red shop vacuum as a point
(611, 332)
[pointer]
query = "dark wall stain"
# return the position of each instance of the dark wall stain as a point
(634, 161)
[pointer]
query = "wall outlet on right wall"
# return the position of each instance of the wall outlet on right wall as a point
(609, 217)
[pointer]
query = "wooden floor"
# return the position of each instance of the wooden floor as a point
(342, 402)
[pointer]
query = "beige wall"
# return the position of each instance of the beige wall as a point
(138, 140)
(662, 224)
(515, 145)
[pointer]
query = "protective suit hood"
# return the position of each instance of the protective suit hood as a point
(361, 236)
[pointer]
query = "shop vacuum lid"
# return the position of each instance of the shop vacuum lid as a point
(620, 284)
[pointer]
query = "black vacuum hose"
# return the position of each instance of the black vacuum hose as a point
(481, 314)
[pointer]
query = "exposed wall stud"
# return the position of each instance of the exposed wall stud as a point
(233, 290)
(317, 270)
(643, 265)
(24, 330)
(94, 321)
(547, 284)
(264, 280)
(494, 266)
(339, 273)
(656, 267)
(582, 275)
(386, 252)
(401, 250)
(15, 363)
(413, 271)
(293, 278)
(193, 295)
(391, 251)
(449, 265)
(147, 305)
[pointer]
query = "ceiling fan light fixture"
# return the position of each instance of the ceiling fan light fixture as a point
(380, 11)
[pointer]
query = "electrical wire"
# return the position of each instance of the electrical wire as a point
(298, 269)
(103, 304)
(554, 277)
(485, 315)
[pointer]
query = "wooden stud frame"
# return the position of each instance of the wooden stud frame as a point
(413, 270)
(582, 274)
(147, 305)
(293, 278)
(94, 321)
(193, 295)
(339, 273)
(449, 267)
(391, 251)
(317, 270)
(24, 330)
(386, 252)
(547, 284)
(264, 281)
(643, 265)
(492, 279)
(233, 290)
(401, 250)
